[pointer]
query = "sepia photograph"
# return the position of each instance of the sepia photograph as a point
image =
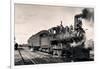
(45, 34)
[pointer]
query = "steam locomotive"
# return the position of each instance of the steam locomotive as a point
(68, 42)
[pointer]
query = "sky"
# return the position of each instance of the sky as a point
(30, 19)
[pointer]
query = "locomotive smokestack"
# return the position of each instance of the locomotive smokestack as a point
(77, 20)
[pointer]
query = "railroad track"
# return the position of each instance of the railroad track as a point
(26, 59)
(39, 58)
(29, 57)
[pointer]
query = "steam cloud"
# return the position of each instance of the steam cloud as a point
(87, 13)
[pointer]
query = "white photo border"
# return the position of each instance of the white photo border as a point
(44, 66)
